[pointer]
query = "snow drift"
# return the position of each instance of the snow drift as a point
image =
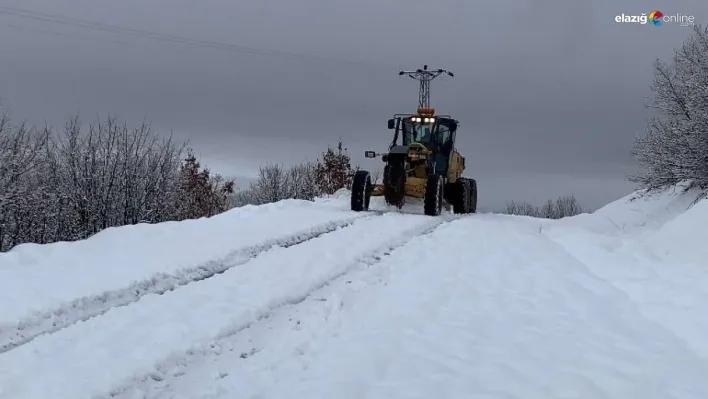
(46, 287)
(331, 303)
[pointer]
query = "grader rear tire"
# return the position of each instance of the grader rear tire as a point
(473, 195)
(433, 200)
(461, 203)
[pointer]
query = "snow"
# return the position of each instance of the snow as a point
(137, 336)
(341, 200)
(533, 323)
(122, 258)
(634, 213)
(390, 305)
(659, 262)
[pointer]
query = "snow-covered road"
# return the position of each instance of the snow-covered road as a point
(482, 307)
(404, 306)
(99, 274)
(133, 338)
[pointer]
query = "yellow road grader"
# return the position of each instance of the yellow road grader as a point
(421, 161)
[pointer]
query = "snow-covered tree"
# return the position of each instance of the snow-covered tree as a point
(276, 183)
(301, 181)
(21, 156)
(521, 209)
(68, 186)
(567, 206)
(674, 147)
(271, 185)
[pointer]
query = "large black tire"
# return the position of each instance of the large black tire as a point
(433, 201)
(461, 201)
(473, 195)
(361, 191)
(395, 183)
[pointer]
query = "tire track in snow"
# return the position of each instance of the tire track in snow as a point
(176, 365)
(81, 309)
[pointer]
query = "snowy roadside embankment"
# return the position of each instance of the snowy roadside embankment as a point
(655, 254)
(90, 357)
(37, 278)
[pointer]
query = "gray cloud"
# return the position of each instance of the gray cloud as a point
(550, 93)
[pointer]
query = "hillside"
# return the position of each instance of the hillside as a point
(308, 299)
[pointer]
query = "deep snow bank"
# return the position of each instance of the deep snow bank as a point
(653, 250)
(682, 238)
(634, 213)
(37, 277)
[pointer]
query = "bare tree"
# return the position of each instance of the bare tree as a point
(521, 209)
(271, 185)
(674, 147)
(112, 175)
(243, 197)
(562, 207)
(71, 185)
(301, 181)
(276, 183)
(548, 210)
(21, 157)
(567, 206)
(376, 176)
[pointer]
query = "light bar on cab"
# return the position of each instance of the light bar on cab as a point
(425, 120)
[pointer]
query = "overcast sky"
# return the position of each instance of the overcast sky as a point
(550, 93)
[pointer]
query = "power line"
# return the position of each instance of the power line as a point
(54, 33)
(164, 37)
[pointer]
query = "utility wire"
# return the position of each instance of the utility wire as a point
(164, 37)
(54, 33)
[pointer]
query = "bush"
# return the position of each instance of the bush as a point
(334, 172)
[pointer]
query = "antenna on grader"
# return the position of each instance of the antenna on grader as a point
(425, 76)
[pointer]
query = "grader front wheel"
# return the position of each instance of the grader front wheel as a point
(395, 182)
(361, 191)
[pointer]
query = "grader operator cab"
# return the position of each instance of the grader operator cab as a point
(421, 161)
